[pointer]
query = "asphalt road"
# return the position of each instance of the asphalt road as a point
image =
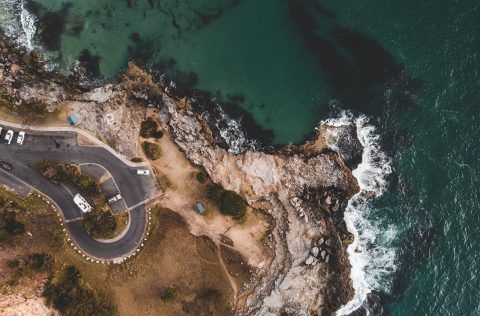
(62, 147)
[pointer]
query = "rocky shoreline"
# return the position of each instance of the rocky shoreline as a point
(303, 189)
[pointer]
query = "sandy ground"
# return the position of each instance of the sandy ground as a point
(185, 191)
(17, 305)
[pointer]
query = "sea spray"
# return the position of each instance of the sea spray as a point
(28, 22)
(371, 255)
(17, 22)
(230, 131)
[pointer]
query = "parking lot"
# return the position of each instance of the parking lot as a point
(62, 147)
(40, 140)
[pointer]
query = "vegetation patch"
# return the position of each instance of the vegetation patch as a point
(29, 261)
(169, 294)
(201, 176)
(100, 224)
(152, 150)
(5, 101)
(10, 226)
(149, 129)
(229, 202)
(87, 185)
(69, 294)
(60, 173)
(33, 108)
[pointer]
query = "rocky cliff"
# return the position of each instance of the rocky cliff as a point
(304, 189)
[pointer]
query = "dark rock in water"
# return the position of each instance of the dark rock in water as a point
(91, 63)
(349, 147)
(167, 71)
(250, 127)
(142, 50)
(135, 37)
(50, 25)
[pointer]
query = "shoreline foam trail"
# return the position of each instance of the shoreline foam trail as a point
(231, 132)
(372, 262)
(18, 23)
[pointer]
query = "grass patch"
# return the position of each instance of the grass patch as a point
(169, 294)
(122, 222)
(10, 225)
(46, 256)
(59, 173)
(100, 224)
(152, 150)
(68, 293)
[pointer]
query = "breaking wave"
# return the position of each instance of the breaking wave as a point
(372, 254)
(231, 131)
(18, 23)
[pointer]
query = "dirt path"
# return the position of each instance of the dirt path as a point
(224, 267)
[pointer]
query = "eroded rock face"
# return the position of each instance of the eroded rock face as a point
(293, 280)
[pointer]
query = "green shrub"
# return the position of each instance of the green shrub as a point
(60, 173)
(229, 202)
(40, 262)
(169, 294)
(12, 264)
(71, 297)
(100, 224)
(87, 185)
(149, 128)
(152, 150)
(9, 225)
(6, 101)
(202, 176)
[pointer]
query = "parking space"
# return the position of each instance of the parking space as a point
(56, 140)
(148, 183)
(110, 189)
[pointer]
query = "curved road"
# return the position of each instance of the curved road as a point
(62, 147)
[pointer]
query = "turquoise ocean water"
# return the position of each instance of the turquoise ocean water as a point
(411, 67)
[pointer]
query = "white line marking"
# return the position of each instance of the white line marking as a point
(73, 219)
(144, 202)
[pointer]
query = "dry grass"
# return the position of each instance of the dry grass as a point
(172, 257)
(122, 221)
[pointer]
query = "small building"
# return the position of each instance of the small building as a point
(73, 119)
(199, 208)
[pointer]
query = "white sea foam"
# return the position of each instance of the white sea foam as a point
(230, 131)
(17, 22)
(28, 22)
(371, 254)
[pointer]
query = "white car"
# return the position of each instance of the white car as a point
(114, 199)
(21, 138)
(143, 172)
(9, 136)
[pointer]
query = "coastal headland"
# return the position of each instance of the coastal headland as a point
(289, 253)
